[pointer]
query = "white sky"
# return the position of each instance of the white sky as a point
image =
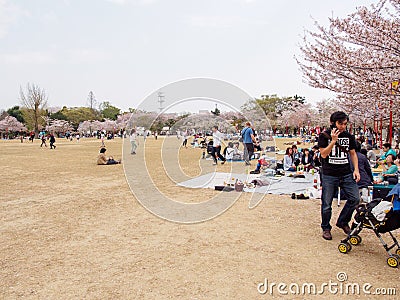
(123, 50)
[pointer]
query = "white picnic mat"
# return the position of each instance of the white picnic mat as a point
(277, 185)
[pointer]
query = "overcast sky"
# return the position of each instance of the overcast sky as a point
(123, 50)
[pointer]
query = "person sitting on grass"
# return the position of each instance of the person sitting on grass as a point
(288, 164)
(371, 156)
(307, 159)
(257, 144)
(316, 157)
(229, 151)
(389, 171)
(262, 162)
(103, 160)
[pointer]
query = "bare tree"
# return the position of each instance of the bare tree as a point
(92, 100)
(35, 101)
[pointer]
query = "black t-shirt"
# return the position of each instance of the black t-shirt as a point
(337, 162)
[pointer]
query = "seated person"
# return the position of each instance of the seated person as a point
(262, 162)
(229, 151)
(237, 154)
(364, 168)
(296, 155)
(257, 145)
(307, 160)
(397, 163)
(288, 164)
(371, 156)
(389, 170)
(103, 160)
(316, 156)
(387, 149)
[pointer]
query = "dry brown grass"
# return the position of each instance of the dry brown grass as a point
(72, 229)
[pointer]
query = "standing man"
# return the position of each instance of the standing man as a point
(337, 146)
(248, 140)
(216, 149)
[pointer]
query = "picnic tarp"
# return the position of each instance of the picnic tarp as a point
(277, 185)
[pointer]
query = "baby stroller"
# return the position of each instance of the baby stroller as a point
(382, 217)
(210, 147)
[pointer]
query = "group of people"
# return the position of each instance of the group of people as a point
(248, 138)
(307, 158)
(43, 137)
(340, 159)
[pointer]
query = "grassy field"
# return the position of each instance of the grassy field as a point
(71, 230)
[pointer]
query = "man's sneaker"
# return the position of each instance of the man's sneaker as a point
(326, 234)
(346, 228)
(224, 161)
(214, 163)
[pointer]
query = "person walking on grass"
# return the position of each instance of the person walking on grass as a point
(216, 149)
(52, 141)
(43, 139)
(134, 141)
(337, 146)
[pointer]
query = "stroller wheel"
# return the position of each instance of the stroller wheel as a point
(344, 247)
(392, 261)
(355, 240)
(398, 251)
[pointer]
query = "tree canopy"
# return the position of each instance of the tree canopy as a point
(357, 57)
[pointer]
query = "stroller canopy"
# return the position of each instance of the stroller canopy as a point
(395, 192)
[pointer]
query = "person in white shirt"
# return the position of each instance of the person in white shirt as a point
(133, 140)
(229, 151)
(216, 150)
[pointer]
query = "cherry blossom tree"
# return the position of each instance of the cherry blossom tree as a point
(11, 124)
(357, 57)
(122, 120)
(59, 126)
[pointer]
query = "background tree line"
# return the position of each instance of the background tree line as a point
(35, 113)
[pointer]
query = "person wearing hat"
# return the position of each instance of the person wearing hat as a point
(337, 146)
